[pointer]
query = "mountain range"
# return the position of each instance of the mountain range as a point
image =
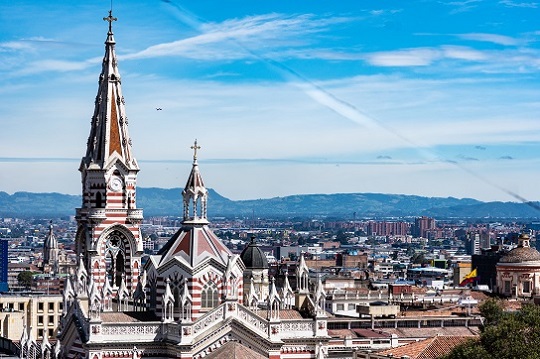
(168, 202)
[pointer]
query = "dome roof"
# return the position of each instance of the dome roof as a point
(522, 253)
(253, 257)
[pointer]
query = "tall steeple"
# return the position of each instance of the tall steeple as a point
(195, 195)
(109, 139)
(50, 251)
(108, 234)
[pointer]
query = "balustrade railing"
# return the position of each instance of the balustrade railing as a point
(252, 320)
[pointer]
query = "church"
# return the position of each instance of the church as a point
(195, 298)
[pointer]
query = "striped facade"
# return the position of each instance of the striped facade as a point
(188, 300)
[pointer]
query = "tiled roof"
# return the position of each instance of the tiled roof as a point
(430, 332)
(284, 314)
(431, 348)
(341, 333)
(368, 333)
(128, 317)
(520, 255)
(234, 350)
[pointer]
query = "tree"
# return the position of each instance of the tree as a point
(471, 349)
(25, 279)
(491, 310)
(505, 335)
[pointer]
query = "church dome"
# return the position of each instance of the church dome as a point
(253, 257)
(522, 253)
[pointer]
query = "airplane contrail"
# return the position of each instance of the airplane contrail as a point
(337, 105)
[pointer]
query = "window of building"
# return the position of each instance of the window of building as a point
(507, 286)
(51, 319)
(21, 307)
(340, 307)
(40, 307)
(60, 306)
(526, 287)
(10, 306)
(51, 333)
(40, 333)
(51, 307)
(40, 319)
(209, 296)
(351, 306)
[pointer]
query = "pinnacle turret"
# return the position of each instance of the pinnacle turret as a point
(109, 137)
(195, 194)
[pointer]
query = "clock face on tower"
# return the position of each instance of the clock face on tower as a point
(115, 184)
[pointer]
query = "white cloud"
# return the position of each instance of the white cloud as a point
(523, 4)
(493, 38)
(408, 57)
(463, 53)
(244, 38)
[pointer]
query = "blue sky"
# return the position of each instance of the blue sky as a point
(433, 98)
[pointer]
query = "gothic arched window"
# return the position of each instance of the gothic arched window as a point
(115, 257)
(209, 296)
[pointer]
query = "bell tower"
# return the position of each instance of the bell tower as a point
(108, 234)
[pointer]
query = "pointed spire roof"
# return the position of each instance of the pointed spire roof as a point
(168, 295)
(287, 289)
(186, 296)
(109, 138)
(45, 344)
(93, 291)
(24, 336)
(302, 266)
(320, 290)
(195, 194)
(106, 290)
(57, 349)
(50, 243)
(123, 292)
(273, 296)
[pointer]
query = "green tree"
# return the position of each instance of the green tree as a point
(25, 279)
(515, 335)
(505, 335)
(492, 311)
(471, 349)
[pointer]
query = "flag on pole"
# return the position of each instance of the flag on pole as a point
(469, 278)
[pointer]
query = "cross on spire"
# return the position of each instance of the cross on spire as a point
(110, 19)
(195, 148)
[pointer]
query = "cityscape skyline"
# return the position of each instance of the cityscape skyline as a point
(283, 99)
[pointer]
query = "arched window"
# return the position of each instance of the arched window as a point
(209, 296)
(99, 200)
(115, 257)
(177, 304)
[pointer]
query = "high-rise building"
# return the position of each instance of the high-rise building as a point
(423, 227)
(3, 265)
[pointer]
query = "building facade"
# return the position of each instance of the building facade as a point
(518, 272)
(187, 301)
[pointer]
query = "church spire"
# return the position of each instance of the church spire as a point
(195, 194)
(50, 250)
(109, 137)
(109, 239)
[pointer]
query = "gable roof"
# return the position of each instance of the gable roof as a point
(192, 244)
(234, 350)
(430, 348)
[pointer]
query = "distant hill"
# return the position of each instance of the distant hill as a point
(168, 202)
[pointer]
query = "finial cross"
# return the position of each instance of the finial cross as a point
(195, 148)
(110, 19)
